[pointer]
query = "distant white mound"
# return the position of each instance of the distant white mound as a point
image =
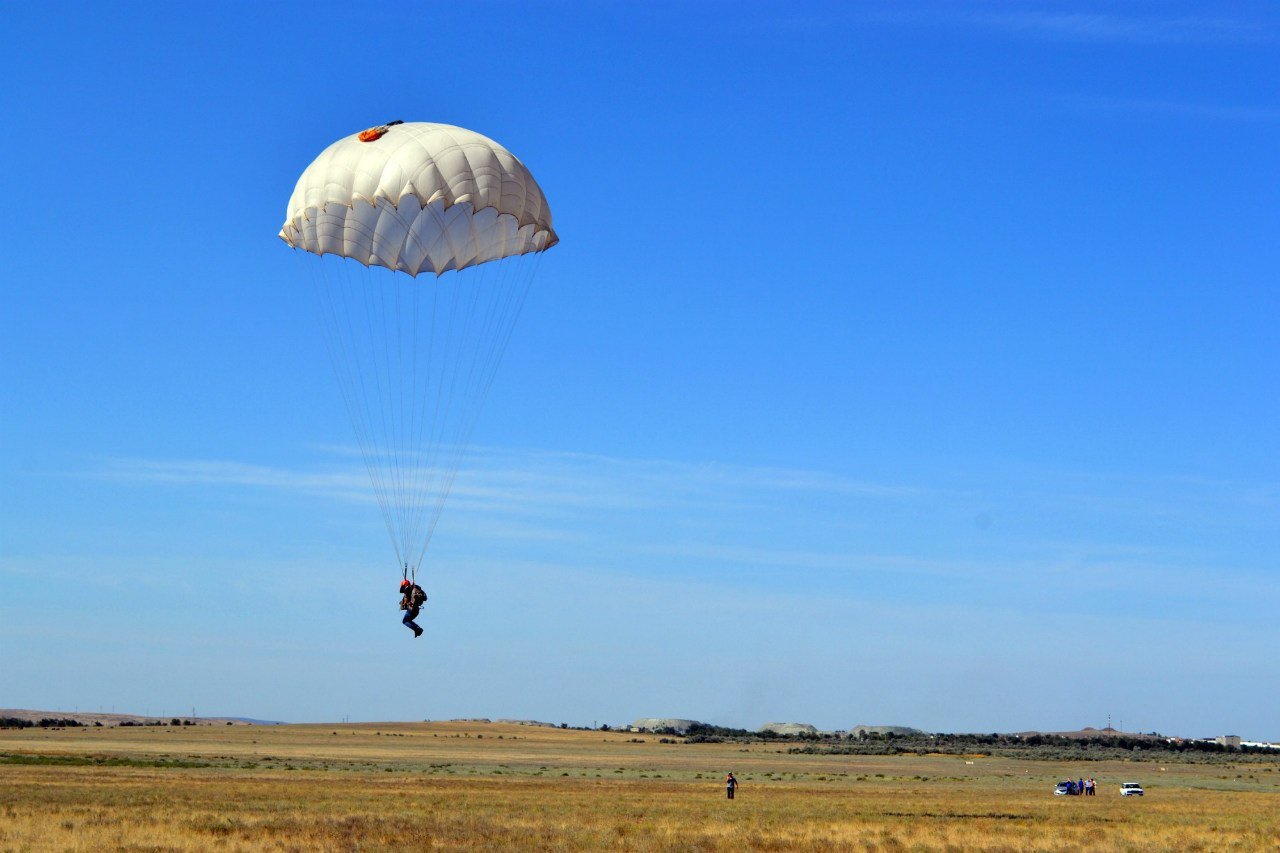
(653, 724)
(529, 723)
(789, 728)
(859, 731)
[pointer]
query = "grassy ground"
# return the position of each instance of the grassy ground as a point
(468, 785)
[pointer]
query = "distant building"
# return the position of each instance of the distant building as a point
(1260, 744)
(1228, 741)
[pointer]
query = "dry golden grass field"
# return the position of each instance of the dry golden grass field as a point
(488, 786)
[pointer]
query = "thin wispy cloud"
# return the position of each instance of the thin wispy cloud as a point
(1152, 107)
(1094, 27)
(1119, 28)
(1096, 565)
(1187, 500)
(809, 525)
(345, 484)
(691, 474)
(550, 482)
(512, 480)
(817, 561)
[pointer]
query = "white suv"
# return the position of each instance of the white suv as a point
(1131, 789)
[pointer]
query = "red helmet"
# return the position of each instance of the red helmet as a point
(404, 584)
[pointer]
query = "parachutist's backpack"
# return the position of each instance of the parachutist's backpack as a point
(416, 596)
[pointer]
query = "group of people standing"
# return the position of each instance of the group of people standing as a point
(1086, 787)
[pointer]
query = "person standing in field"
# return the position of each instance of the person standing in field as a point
(730, 785)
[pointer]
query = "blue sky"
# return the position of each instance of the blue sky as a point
(901, 363)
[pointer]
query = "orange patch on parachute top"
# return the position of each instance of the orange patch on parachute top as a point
(372, 133)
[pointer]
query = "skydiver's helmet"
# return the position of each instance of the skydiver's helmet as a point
(404, 585)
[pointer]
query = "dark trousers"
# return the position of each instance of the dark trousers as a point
(409, 616)
(729, 790)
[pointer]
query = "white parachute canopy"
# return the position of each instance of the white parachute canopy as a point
(418, 197)
(415, 354)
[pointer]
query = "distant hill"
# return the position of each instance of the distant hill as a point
(1091, 732)
(673, 724)
(860, 730)
(85, 718)
(790, 728)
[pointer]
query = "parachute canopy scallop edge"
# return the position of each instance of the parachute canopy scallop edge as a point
(418, 197)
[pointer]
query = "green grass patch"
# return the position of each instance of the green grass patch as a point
(98, 761)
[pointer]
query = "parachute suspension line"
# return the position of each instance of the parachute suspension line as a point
(398, 424)
(422, 437)
(376, 323)
(380, 338)
(399, 440)
(432, 424)
(442, 396)
(411, 428)
(515, 281)
(350, 299)
(412, 467)
(346, 362)
(413, 411)
(466, 294)
(402, 447)
(496, 291)
(421, 479)
(389, 317)
(429, 427)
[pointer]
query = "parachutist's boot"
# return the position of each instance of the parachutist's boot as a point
(417, 632)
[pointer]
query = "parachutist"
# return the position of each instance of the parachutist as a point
(411, 600)
(426, 239)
